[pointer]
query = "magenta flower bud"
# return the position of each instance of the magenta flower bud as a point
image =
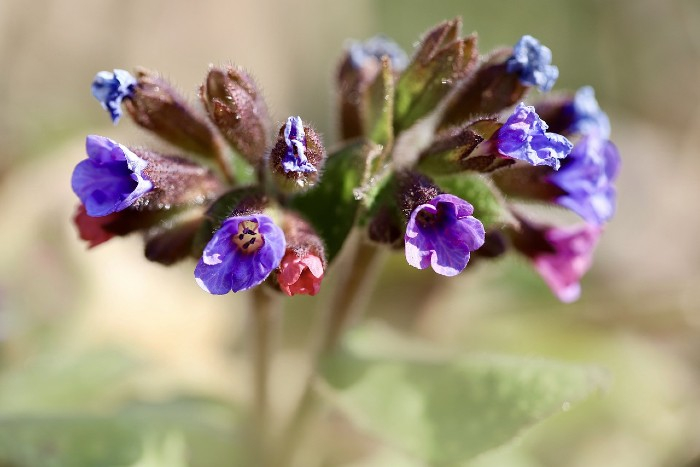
(236, 106)
(303, 265)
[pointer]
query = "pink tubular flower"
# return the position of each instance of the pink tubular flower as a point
(300, 274)
(91, 229)
(570, 259)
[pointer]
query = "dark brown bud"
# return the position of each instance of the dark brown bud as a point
(236, 106)
(489, 90)
(173, 242)
(414, 189)
(158, 107)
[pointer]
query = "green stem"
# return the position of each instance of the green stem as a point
(349, 299)
(264, 320)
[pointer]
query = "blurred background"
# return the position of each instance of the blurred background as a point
(88, 332)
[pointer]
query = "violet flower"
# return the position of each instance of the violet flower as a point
(295, 158)
(586, 115)
(441, 234)
(374, 49)
(240, 255)
(587, 178)
(111, 88)
(571, 258)
(524, 137)
(532, 62)
(111, 179)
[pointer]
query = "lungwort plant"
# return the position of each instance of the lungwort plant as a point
(435, 150)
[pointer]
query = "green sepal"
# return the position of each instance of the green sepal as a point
(379, 117)
(331, 206)
(474, 189)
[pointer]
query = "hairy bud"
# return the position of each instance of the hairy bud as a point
(297, 157)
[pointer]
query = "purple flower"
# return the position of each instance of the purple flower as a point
(111, 88)
(240, 255)
(295, 158)
(523, 136)
(532, 62)
(586, 115)
(111, 179)
(374, 49)
(441, 234)
(587, 177)
(570, 258)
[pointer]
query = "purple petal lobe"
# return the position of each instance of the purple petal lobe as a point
(110, 179)
(441, 234)
(587, 177)
(374, 49)
(295, 159)
(531, 61)
(586, 115)
(524, 137)
(240, 255)
(111, 88)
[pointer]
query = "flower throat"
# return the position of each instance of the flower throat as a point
(248, 239)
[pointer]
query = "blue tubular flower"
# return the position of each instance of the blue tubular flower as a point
(374, 49)
(295, 158)
(240, 255)
(586, 115)
(111, 179)
(523, 136)
(587, 177)
(111, 88)
(532, 62)
(441, 234)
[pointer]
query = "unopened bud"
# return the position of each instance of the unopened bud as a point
(441, 63)
(297, 157)
(414, 189)
(158, 107)
(236, 106)
(173, 241)
(490, 90)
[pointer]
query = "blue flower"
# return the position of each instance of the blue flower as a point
(111, 88)
(523, 136)
(295, 159)
(587, 178)
(442, 234)
(111, 179)
(374, 49)
(240, 255)
(586, 115)
(532, 62)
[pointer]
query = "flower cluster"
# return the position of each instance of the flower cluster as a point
(282, 221)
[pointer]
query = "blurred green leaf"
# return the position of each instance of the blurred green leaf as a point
(201, 431)
(473, 188)
(331, 205)
(448, 410)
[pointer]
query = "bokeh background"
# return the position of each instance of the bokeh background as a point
(87, 332)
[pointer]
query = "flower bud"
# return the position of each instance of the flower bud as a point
(297, 157)
(236, 106)
(172, 242)
(442, 62)
(156, 106)
(413, 190)
(304, 262)
(97, 230)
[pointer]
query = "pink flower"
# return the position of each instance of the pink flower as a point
(569, 259)
(91, 229)
(300, 274)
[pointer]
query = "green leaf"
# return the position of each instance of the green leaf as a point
(474, 189)
(380, 113)
(331, 206)
(448, 410)
(201, 431)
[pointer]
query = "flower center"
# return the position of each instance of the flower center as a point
(248, 239)
(427, 219)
